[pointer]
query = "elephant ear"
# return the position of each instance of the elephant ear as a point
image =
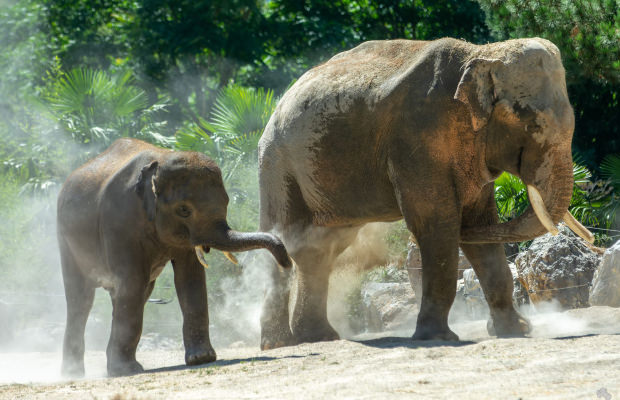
(146, 189)
(476, 89)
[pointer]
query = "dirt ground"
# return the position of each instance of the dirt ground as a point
(575, 354)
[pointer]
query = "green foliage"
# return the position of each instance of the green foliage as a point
(89, 33)
(585, 30)
(610, 169)
(510, 196)
(96, 108)
(239, 117)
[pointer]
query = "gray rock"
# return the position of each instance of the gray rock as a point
(413, 265)
(388, 306)
(469, 303)
(558, 268)
(519, 293)
(605, 289)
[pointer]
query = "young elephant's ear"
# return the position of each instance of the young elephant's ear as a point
(477, 89)
(146, 188)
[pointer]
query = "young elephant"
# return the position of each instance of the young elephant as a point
(121, 217)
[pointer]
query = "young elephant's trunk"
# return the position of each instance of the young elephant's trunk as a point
(228, 240)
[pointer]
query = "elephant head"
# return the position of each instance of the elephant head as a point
(183, 195)
(516, 95)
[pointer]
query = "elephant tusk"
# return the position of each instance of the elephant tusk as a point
(231, 257)
(579, 229)
(200, 254)
(540, 210)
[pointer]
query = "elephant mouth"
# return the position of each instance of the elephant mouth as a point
(202, 250)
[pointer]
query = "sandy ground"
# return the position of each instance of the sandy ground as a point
(575, 354)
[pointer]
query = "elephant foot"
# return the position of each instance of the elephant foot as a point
(427, 332)
(200, 355)
(508, 324)
(323, 334)
(72, 369)
(124, 368)
(274, 339)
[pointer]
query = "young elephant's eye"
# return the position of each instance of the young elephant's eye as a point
(183, 211)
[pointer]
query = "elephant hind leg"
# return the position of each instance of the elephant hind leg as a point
(274, 319)
(314, 258)
(79, 293)
(280, 211)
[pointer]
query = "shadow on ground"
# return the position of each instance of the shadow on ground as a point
(393, 342)
(223, 363)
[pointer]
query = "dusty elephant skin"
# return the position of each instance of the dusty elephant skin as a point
(121, 217)
(414, 130)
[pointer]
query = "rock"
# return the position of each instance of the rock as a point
(469, 303)
(558, 268)
(414, 267)
(605, 289)
(390, 273)
(388, 306)
(519, 293)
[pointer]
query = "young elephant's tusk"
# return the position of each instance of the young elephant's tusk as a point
(579, 229)
(231, 257)
(540, 210)
(200, 254)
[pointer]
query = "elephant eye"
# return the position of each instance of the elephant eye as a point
(183, 211)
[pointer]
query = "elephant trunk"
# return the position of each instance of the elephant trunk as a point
(228, 240)
(550, 187)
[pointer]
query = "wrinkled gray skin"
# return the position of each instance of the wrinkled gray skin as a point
(414, 130)
(121, 217)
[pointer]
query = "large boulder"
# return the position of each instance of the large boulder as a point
(605, 290)
(388, 306)
(558, 268)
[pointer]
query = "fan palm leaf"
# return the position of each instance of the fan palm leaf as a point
(94, 106)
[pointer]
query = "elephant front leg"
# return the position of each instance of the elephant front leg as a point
(439, 275)
(489, 263)
(190, 284)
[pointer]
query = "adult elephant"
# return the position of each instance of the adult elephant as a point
(121, 217)
(415, 130)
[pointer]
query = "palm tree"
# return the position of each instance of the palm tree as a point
(236, 123)
(95, 108)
